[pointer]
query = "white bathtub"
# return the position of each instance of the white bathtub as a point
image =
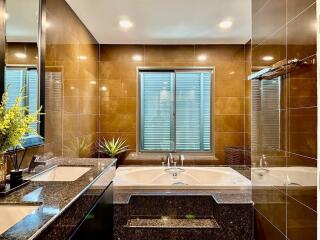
(284, 176)
(188, 178)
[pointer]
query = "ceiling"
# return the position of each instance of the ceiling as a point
(166, 21)
(22, 22)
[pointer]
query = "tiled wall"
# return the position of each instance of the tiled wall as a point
(118, 88)
(30, 49)
(286, 29)
(71, 83)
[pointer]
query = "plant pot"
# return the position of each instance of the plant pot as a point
(16, 177)
(3, 171)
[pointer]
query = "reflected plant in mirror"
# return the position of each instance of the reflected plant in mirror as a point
(78, 147)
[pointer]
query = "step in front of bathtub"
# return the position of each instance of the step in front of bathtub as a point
(169, 223)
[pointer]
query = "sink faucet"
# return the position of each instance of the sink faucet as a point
(263, 161)
(35, 162)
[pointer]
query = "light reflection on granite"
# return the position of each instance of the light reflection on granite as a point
(225, 196)
(171, 223)
(53, 197)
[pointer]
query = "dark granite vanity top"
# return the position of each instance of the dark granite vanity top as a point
(51, 197)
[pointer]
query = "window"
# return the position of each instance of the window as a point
(18, 77)
(175, 110)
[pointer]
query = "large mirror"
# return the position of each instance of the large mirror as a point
(21, 71)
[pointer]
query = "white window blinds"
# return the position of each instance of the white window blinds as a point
(23, 81)
(175, 111)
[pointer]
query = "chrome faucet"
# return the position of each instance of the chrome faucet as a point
(263, 161)
(35, 161)
(170, 159)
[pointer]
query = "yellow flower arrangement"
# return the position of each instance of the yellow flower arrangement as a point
(15, 123)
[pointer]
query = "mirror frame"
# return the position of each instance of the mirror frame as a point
(41, 44)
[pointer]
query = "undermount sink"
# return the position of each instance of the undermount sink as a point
(61, 174)
(12, 214)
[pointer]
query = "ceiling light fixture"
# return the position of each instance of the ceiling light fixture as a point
(226, 24)
(125, 24)
(83, 57)
(137, 57)
(21, 55)
(202, 57)
(267, 58)
(93, 82)
(103, 88)
(6, 15)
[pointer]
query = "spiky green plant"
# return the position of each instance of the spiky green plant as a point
(78, 147)
(15, 123)
(113, 147)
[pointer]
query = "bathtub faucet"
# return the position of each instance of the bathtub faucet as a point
(170, 159)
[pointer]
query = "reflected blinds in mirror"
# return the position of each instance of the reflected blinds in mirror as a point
(23, 81)
(266, 114)
(14, 82)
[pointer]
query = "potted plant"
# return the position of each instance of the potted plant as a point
(113, 148)
(15, 123)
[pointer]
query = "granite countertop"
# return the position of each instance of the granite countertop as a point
(51, 197)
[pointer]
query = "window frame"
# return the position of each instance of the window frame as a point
(211, 70)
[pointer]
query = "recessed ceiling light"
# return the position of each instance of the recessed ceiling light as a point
(232, 73)
(267, 58)
(6, 15)
(93, 82)
(125, 24)
(202, 57)
(226, 24)
(103, 88)
(137, 57)
(21, 55)
(83, 57)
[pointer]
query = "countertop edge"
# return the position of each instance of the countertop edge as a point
(37, 233)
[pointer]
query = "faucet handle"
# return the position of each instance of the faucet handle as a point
(181, 157)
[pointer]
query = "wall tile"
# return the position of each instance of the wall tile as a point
(303, 131)
(295, 7)
(301, 37)
(302, 221)
(271, 203)
(119, 82)
(264, 230)
(229, 123)
(268, 20)
(229, 106)
(303, 85)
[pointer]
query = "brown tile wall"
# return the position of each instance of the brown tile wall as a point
(71, 83)
(30, 49)
(286, 29)
(118, 88)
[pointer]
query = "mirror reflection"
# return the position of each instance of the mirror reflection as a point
(21, 56)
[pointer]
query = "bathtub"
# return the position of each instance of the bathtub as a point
(180, 178)
(284, 176)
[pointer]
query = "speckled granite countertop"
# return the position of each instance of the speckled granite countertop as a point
(52, 197)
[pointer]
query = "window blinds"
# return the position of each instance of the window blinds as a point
(18, 78)
(14, 81)
(175, 111)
